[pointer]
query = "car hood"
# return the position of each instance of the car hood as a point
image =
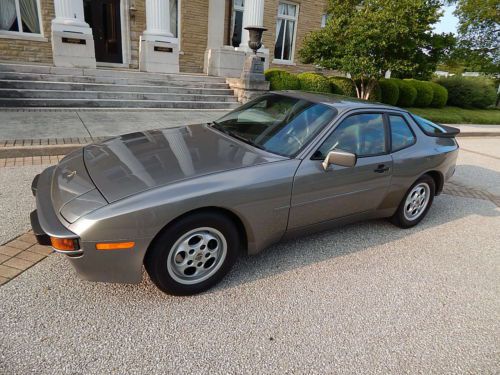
(132, 163)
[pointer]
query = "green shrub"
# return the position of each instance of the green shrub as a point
(425, 93)
(467, 92)
(407, 93)
(376, 94)
(281, 80)
(342, 86)
(313, 82)
(440, 95)
(390, 91)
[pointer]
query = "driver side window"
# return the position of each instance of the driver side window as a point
(363, 135)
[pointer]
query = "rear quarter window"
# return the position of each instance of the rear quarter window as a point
(401, 134)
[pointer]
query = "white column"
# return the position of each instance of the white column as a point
(158, 49)
(253, 15)
(216, 15)
(69, 13)
(72, 40)
(158, 18)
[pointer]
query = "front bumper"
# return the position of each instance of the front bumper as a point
(119, 266)
(44, 220)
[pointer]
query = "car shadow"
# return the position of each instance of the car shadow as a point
(292, 254)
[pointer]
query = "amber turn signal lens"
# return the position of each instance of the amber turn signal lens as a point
(114, 245)
(64, 244)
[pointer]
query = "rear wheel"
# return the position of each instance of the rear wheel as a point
(416, 203)
(193, 254)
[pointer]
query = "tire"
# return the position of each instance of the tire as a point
(193, 254)
(411, 212)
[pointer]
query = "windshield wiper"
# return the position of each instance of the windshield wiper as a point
(231, 133)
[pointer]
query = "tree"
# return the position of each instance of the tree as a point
(436, 49)
(365, 38)
(478, 34)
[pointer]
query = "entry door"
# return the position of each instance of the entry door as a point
(103, 16)
(319, 196)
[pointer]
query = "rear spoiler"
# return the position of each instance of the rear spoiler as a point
(450, 132)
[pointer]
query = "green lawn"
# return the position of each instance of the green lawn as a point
(456, 115)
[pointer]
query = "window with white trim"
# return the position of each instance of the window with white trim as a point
(285, 31)
(20, 17)
(237, 22)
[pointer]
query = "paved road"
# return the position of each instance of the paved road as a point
(69, 124)
(367, 298)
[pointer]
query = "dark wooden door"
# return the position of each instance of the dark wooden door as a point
(103, 16)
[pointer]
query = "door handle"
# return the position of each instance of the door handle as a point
(381, 168)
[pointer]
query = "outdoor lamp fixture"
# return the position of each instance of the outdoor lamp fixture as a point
(255, 37)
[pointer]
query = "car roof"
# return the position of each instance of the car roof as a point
(339, 102)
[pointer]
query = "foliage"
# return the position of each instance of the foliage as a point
(469, 92)
(368, 37)
(440, 95)
(424, 93)
(455, 115)
(342, 86)
(478, 39)
(281, 80)
(438, 47)
(407, 93)
(390, 91)
(313, 82)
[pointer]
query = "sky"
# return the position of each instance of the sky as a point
(448, 22)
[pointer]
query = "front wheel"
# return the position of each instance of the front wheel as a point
(193, 254)
(416, 203)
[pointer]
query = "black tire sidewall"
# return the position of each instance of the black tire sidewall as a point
(400, 216)
(157, 256)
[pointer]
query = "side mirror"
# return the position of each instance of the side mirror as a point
(339, 157)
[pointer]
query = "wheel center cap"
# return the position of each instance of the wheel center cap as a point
(198, 256)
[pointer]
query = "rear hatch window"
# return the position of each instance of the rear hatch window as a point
(435, 130)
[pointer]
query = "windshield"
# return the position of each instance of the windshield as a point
(277, 123)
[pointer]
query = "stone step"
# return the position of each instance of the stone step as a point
(111, 80)
(45, 85)
(107, 72)
(113, 103)
(123, 95)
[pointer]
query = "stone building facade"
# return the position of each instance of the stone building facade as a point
(192, 36)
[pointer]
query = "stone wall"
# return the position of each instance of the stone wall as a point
(194, 30)
(31, 51)
(137, 27)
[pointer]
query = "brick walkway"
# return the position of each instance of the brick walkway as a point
(20, 254)
(455, 189)
(30, 160)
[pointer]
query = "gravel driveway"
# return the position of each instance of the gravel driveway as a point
(367, 298)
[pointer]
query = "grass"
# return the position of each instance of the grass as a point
(456, 115)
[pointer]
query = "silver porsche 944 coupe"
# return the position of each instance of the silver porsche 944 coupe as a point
(185, 201)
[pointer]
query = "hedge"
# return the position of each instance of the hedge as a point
(407, 93)
(425, 93)
(376, 94)
(390, 91)
(342, 86)
(440, 95)
(468, 92)
(281, 80)
(313, 82)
